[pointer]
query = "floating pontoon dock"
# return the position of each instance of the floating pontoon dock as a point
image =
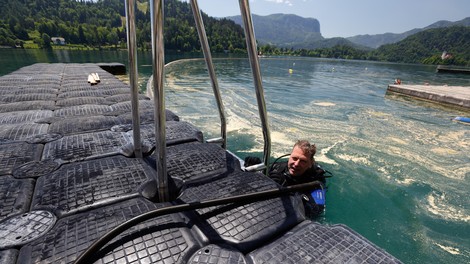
(448, 69)
(449, 95)
(67, 177)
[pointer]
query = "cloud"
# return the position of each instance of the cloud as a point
(287, 2)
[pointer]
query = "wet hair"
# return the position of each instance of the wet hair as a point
(307, 148)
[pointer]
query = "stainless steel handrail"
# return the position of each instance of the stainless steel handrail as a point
(133, 75)
(156, 16)
(255, 68)
(158, 61)
(210, 68)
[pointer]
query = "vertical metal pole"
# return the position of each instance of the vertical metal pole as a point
(210, 67)
(158, 62)
(133, 75)
(255, 68)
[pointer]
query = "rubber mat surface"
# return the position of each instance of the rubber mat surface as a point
(83, 110)
(81, 185)
(246, 226)
(24, 116)
(176, 133)
(216, 254)
(311, 242)
(81, 124)
(196, 161)
(22, 132)
(15, 196)
(84, 146)
(16, 154)
(165, 239)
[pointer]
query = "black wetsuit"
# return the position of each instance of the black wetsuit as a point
(279, 172)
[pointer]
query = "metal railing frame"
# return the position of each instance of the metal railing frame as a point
(156, 18)
(210, 68)
(255, 69)
(133, 75)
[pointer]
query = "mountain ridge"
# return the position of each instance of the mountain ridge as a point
(377, 40)
(304, 39)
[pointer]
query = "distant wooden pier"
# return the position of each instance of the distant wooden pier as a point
(449, 95)
(446, 69)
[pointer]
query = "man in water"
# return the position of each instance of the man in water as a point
(300, 168)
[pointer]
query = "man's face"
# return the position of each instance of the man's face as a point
(298, 162)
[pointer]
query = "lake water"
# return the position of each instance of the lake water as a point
(401, 167)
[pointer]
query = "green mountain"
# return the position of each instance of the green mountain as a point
(102, 22)
(375, 41)
(427, 47)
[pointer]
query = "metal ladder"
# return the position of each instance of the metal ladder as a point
(157, 19)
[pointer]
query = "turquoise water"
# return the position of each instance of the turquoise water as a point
(401, 167)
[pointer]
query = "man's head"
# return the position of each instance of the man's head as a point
(301, 158)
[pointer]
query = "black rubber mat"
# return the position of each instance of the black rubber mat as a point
(28, 97)
(20, 229)
(92, 93)
(82, 101)
(125, 97)
(244, 227)
(34, 169)
(23, 89)
(176, 133)
(24, 116)
(165, 239)
(16, 154)
(195, 161)
(311, 242)
(8, 256)
(22, 132)
(25, 106)
(215, 254)
(81, 185)
(146, 116)
(117, 91)
(84, 146)
(82, 110)
(127, 106)
(80, 124)
(15, 196)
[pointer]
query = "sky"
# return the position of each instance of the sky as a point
(347, 18)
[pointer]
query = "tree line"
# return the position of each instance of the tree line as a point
(426, 47)
(102, 23)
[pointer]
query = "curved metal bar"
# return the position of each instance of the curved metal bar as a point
(255, 68)
(133, 75)
(241, 199)
(158, 61)
(210, 68)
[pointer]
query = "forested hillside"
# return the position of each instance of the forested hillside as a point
(102, 22)
(375, 41)
(428, 46)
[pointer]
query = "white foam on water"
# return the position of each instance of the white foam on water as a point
(438, 206)
(451, 250)
(406, 181)
(324, 104)
(355, 159)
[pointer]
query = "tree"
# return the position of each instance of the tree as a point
(46, 41)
